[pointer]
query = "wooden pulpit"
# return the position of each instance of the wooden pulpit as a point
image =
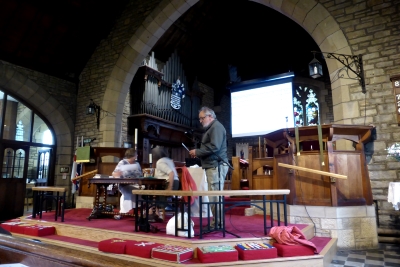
(346, 158)
(99, 166)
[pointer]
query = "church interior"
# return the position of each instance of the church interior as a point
(307, 91)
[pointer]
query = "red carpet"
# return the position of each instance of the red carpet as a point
(243, 226)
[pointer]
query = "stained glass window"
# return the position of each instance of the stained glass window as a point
(305, 107)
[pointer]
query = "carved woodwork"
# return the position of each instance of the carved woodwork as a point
(102, 167)
(315, 188)
(153, 131)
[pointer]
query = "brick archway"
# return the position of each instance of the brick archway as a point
(312, 16)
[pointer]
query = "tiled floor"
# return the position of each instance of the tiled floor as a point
(385, 255)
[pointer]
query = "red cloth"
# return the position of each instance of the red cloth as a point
(188, 184)
(290, 235)
(243, 162)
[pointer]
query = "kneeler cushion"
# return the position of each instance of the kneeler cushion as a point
(212, 254)
(7, 225)
(172, 253)
(256, 251)
(39, 230)
(113, 245)
(140, 248)
(293, 250)
(19, 228)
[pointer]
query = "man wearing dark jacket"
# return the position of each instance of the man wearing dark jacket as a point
(213, 144)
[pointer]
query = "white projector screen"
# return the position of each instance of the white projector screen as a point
(262, 106)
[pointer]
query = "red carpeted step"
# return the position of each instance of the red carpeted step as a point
(72, 240)
(236, 211)
(229, 199)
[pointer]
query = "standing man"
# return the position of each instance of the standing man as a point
(212, 153)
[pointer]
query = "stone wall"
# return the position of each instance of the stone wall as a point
(354, 227)
(64, 91)
(372, 29)
(96, 74)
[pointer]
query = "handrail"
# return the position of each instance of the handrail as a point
(266, 192)
(312, 171)
(83, 175)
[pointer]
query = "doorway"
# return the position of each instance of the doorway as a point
(14, 165)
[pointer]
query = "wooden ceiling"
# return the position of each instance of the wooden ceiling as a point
(58, 37)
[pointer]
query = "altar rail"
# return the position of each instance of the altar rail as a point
(221, 201)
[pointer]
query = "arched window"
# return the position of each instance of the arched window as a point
(31, 132)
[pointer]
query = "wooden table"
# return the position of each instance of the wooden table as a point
(40, 195)
(103, 183)
(221, 201)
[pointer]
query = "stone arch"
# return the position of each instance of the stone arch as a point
(312, 16)
(44, 104)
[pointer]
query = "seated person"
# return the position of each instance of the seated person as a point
(127, 168)
(165, 169)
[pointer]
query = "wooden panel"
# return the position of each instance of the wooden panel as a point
(311, 188)
(236, 174)
(350, 191)
(107, 168)
(366, 183)
(261, 182)
(260, 162)
(84, 189)
(283, 178)
(12, 189)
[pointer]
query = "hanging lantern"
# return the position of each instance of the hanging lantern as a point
(315, 68)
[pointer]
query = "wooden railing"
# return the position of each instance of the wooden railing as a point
(221, 201)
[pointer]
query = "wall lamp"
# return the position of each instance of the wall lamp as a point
(351, 63)
(94, 109)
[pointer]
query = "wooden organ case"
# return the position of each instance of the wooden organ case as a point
(154, 118)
